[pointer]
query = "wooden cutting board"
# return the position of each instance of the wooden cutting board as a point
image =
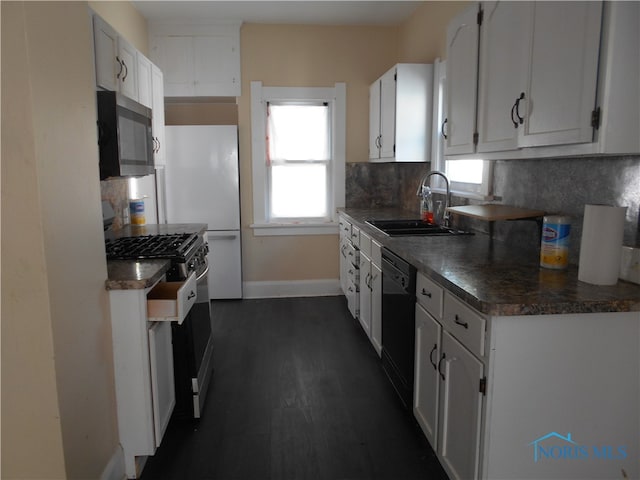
(491, 212)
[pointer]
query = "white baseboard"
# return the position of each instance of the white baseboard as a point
(291, 288)
(114, 470)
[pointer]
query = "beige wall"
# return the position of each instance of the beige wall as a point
(127, 21)
(289, 55)
(423, 36)
(58, 399)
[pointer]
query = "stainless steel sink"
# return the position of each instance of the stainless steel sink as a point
(396, 228)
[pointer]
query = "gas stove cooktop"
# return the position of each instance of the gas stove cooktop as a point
(170, 246)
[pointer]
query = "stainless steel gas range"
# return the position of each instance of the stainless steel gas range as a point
(192, 340)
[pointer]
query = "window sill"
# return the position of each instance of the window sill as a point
(465, 194)
(280, 229)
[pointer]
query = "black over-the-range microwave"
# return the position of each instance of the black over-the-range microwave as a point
(124, 136)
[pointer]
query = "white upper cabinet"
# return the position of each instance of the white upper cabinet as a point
(105, 42)
(562, 74)
(541, 77)
(619, 80)
(128, 58)
(501, 73)
(145, 87)
(462, 75)
(201, 60)
(388, 91)
(119, 66)
(400, 114)
(157, 119)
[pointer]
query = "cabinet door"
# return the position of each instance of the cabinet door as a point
(162, 384)
(157, 111)
(174, 56)
(502, 56)
(376, 307)
(388, 114)
(562, 74)
(426, 384)
(105, 46)
(374, 120)
(145, 86)
(365, 294)
(216, 66)
(462, 74)
(128, 79)
(460, 406)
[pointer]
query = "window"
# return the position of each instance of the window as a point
(469, 177)
(298, 150)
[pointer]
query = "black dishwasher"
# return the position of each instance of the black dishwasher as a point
(398, 323)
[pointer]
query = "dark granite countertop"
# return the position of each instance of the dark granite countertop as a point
(496, 278)
(140, 274)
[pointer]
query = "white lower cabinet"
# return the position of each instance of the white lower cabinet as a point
(459, 408)
(426, 383)
(532, 396)
(143, 363)
(376, 307)
(162, 381)
(365, 293)
(448, 381)
(370, 315)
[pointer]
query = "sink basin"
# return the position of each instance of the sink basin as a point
(397, 228)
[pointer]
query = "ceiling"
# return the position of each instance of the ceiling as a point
(328, 12)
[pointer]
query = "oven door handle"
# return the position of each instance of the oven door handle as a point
(206, 270)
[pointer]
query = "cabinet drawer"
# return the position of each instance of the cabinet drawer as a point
(464, 323)
(355, 236)
(376, 253)
(171, 301)
(429, 295)
(365, 244)
(345, 228)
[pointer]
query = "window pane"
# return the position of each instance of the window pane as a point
(299, 191)
(298, 132)
(465, 171)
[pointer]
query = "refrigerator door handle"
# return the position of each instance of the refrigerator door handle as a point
(221, 237)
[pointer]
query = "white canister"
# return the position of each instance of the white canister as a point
(136, 207)
(554, 245)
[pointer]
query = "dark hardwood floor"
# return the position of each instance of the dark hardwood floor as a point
(298, 393)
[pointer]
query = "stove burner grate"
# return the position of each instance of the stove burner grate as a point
(171, 246)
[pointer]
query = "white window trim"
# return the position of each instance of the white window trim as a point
(337, 96)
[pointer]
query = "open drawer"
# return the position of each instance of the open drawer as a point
(171, 301)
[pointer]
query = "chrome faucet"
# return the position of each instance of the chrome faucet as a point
(447, 202)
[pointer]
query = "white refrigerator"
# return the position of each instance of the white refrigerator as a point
(203, 186)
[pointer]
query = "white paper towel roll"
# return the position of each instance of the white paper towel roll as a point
(601, 244)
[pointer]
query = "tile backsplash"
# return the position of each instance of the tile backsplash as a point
(555, 185)
(116, 191)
